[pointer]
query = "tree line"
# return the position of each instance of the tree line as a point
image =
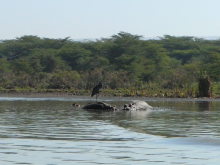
(122, 61)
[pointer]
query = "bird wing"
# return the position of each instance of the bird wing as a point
(95, 90)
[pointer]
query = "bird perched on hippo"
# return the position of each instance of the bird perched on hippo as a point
(96, 90)
(133, 106)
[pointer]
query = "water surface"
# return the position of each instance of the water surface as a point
(50, 131)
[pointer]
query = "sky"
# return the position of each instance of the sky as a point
(95, 19)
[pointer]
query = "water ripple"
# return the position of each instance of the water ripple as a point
(54, 132)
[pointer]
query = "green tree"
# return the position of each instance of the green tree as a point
(212, 65)
(4, 65)
(76, 56)
(21, 66)
(64, 80)
(46, 60)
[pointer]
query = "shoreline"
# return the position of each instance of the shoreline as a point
(101, 97)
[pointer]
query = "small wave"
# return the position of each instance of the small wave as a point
(195, 141)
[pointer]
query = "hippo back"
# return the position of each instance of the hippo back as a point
(140, 105)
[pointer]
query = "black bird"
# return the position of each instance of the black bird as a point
(96, 90)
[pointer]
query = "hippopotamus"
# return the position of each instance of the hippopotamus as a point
(99, 106)
(137, 105)
(133, 106)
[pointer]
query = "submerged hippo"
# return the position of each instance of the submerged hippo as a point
(133, 106)
(99, 106)
(137, 105)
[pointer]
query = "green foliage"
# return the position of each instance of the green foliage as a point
(20, 66)
(122, 62)
(4, 65)
(76, 56)
(185, 55)
(64, 80)
(212, 65)
(46, 60)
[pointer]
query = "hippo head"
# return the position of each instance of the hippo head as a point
(129, 107)
(137, 105)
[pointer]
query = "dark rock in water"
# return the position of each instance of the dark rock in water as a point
(99, 106)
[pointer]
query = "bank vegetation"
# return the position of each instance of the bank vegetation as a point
(127, 64)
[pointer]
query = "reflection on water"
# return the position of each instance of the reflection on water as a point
(204, 105)
(51, 131)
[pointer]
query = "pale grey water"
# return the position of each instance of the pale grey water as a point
(49, 131)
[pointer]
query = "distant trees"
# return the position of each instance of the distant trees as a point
(121, 61)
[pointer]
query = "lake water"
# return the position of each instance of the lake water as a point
(50, 131)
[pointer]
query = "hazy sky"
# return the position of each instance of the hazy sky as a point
(89, 19)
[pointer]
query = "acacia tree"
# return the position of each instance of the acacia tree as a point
(76, 56)
(212, 65)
